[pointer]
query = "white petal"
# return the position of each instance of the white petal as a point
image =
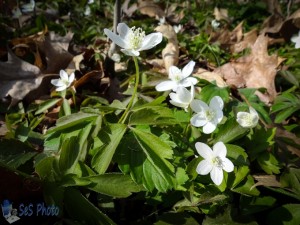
(227, 165)
(198, 106)
(71, 78)
(204, 150)
(188, 69)
(198, 120)
(130, 52)
(216, 103)
(216, 175)
(219, 116)
(187, 82)
(166, 85)
(179, 104)
(63, 75)
(61, 88)
(220, 149)
(253, 111)
(174, 72)
(242, 119)
(123, 30)
(209, 128)
(116, 38)
(55, 82)
(151, 40)
(184, 95)
(204, 167)
(59, 83)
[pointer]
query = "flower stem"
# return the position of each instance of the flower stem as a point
(137, 80)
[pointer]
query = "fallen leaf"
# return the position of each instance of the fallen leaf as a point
(149, 8)
(221, 14)
(18, 77)
(170, 53)
(247, 41)
(266, 180)
(256, 70)
(210, 76)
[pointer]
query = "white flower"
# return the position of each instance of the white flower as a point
(207, 116)
(247, 120)
(182, 98)
(215, 24)
(29, 7)
(296, 40)
(214, 162)
(64, 81)
(162, 20)
(178, 78)
(133, 40)
(177, 28)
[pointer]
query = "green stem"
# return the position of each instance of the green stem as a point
(137, 80)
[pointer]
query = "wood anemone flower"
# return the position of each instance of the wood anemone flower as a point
(133, 40)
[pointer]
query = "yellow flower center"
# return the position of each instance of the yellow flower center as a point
(136, 37)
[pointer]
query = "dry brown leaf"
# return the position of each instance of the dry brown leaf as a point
(247, 41)
(149, 8)
(18, 77)
(210, 76)
(266, 180)
(256, 70)
(170, 53)
(276, 27)
(221, 14)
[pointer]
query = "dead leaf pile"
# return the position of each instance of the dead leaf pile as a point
(256, 70)
(19, 77)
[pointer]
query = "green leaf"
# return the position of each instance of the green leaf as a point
(211, 90)
(15, 153)
(158, 171)
(113, 184)
(22, 132)
(268, 163)
(80, 209)
(172, 218)
(240, 174)
(251, 205)
(110, 137)
(289, 77)
(246, 187)
(230, 131)
(287, 215)
(238, 155)
(46, 105)
(154, 115)
(48, 169)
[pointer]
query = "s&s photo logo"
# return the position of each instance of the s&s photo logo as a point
(8, 212)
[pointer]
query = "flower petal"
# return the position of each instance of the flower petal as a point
(198, 120)
(216, 103)
(187, 82)
(188, 69)
(55, 82)
(204, 167)
(216, 175)
(204, 150)
(166, 85)
(174, 72)
(219, 149)
(61, 88)
(116, 38)
(184, 95)
(130, 52)
(63, 75)
(227, 165)
(151, 40)
(209, 127)
(123, 30)
(198, 106)
(71, 78)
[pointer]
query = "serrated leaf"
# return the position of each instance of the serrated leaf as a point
(246, 187)
(238, 154)
(211, 90)
(82, 210)
(287, 214)
(158, 171)
(268, 163)
(230, 131)
(113, 184)
(15, 153)
(154, 115)
(110, 136)
(46, 105)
